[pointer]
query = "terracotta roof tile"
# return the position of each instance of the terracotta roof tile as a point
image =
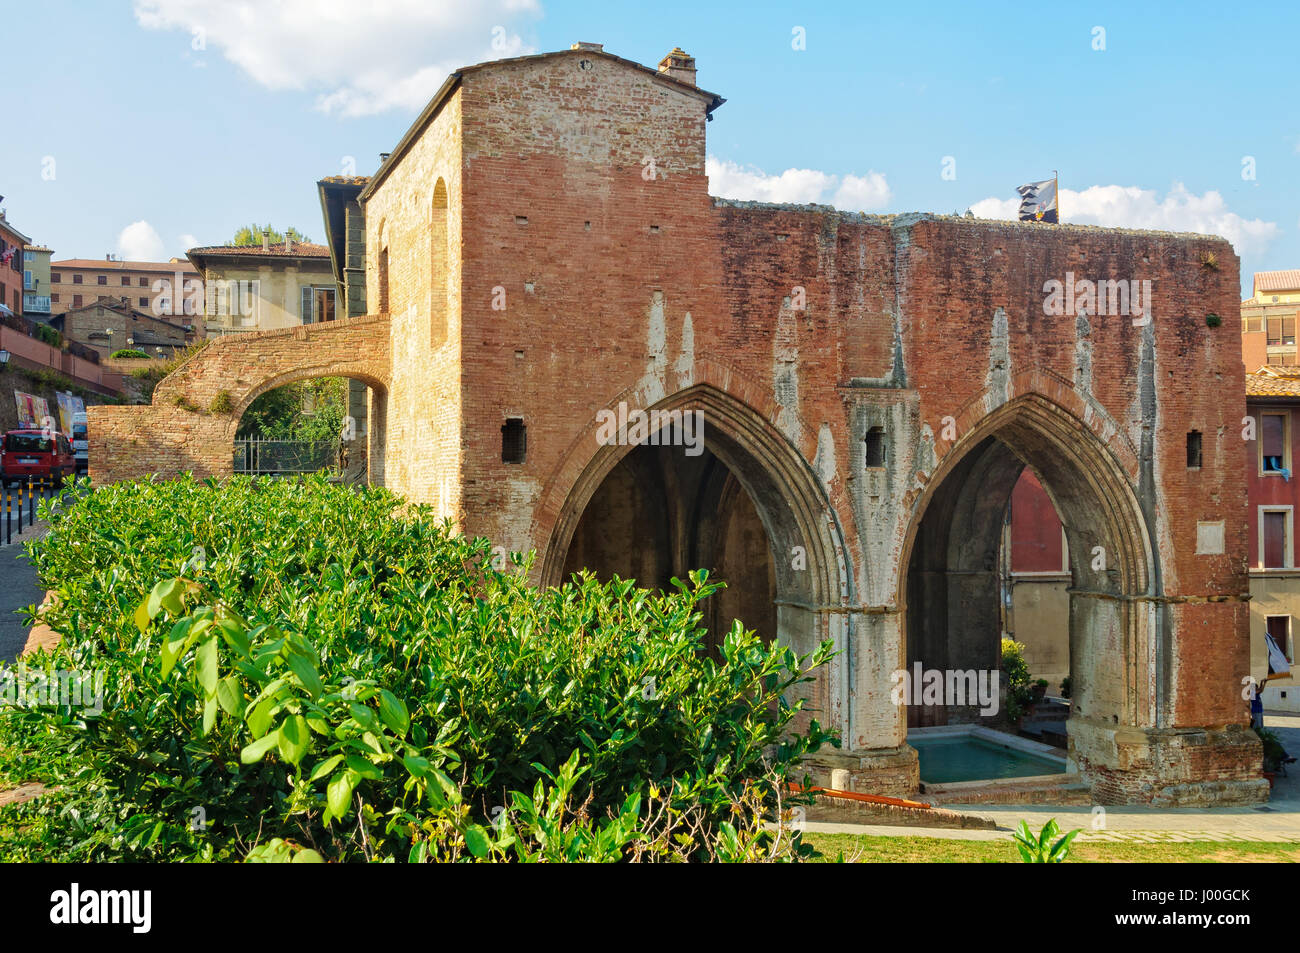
(1288, 280)
(1274, 381)
(101, 264)
(277, 250)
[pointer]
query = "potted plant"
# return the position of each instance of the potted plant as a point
(1038, 690)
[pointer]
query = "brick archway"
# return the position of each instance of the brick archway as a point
(195, 411)
(792, 506)
(1122, 708)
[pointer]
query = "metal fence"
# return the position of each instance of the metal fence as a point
(270, 457)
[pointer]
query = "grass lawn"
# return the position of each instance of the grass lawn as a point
(896, 850)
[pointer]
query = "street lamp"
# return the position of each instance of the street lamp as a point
(4, 358)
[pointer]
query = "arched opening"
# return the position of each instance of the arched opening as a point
(742, 503)
(438, 266)
(660, 514)
(955, 594)
(308, 422)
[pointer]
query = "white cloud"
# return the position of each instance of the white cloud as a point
(360, 58)
(140, 241)
(189, 241)
(859, 193)
(748, 183)
(1131, 207)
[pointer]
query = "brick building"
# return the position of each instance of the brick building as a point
(75, 282)
(1268, 319)
(542, 256)
(12, 243)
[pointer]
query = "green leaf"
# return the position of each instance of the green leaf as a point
(393, 712)
(307, 856)
(476, 839)
(305, 669)
(174, 645)
(229, 696)
(235, 635)
(364, 768)
(325, 767)
(259, 719)
(142, 617)
(338, 795)
(209, 715)
(253, 753)
(295, 739)
(207, 659)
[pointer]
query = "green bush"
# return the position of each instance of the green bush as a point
(129, 352)
(321, 673)
(1016, 672)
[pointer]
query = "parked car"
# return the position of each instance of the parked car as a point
(30, 454)
(80, 445)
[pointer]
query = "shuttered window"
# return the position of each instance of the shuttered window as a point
(1275, 538)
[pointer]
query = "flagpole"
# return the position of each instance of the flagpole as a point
(1059, 219)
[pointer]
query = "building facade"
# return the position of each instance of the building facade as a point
(12, 243)
(36, 282)
(112, 325)
(148, 286)
(1272, 402)
(265, 288)
(1268, 320)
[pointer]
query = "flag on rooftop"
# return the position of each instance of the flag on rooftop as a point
(1038, 202)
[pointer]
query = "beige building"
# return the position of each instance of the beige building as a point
(75, 282)
(266, 287)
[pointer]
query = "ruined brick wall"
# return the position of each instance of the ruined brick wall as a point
(408, 215)
(180, 430)
(622, 286)
(604, 262)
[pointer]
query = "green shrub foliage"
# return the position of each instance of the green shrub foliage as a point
(296, 671)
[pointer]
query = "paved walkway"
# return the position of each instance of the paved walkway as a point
(18, 590)
(1276, 821)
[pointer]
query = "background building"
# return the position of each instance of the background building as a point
(1268, 319)
(266, 287)
(1272, 399)
(75, 282)
(36, 281)
(108, 326)
(12, 243)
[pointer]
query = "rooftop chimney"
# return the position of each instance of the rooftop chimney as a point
(288, 243)
(266, 239)
(679, 66)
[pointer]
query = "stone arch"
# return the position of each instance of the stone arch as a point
(439, 264)
(791, 504)
(947, 591)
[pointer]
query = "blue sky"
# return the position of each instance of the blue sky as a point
(159, 124)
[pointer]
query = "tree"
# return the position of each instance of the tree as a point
(252, 235)
(306, 410)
